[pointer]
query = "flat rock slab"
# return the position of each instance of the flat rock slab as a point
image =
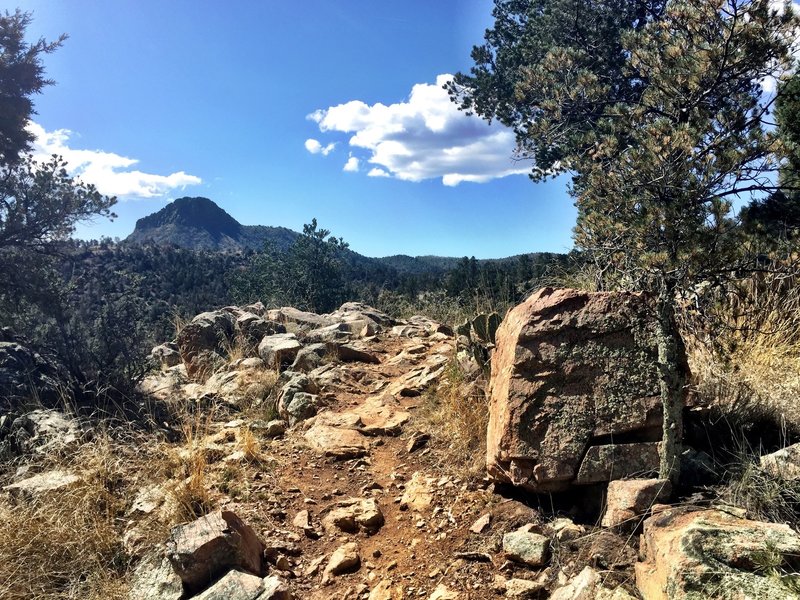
(42, 484)
(338, 443)
(244, 586)
(382, 415)
(690, 554)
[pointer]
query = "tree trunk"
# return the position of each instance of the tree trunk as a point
(672, 383)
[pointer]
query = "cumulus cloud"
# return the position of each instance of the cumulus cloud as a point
(314, 147)
(109, 172)
(351, 166)
(425, 137)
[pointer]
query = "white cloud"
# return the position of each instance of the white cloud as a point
(425, 137)
(314, 147)
(351, 166)
(109, 172)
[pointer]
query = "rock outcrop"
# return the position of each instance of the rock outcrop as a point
(694, 554)
(574, 390)
(26, 376)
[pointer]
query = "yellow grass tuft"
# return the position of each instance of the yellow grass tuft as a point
(457, 413)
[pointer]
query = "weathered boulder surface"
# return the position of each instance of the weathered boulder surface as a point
(204, 549)
(278, 349)
(202, 341)
(573, 371)
(690, 554)
(783, 464)
(25, 375)
(40, 432)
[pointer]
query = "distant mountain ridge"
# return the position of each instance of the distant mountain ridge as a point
(197, 223)
(200, 224)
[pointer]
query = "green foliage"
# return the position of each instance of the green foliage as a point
(21, 76)
(311, 275)
(315, 269)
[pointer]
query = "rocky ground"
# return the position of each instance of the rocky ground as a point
(345, 490)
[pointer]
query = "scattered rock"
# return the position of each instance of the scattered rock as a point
(274, 428)
(344, 560)
(202, 341)
(385, 591)
(711, 554)
(442, 592)
(417, 440)
(526, 547)
(417, 495)
(166, 355)
(630, 498)
(154, 579)
(310, 357)
(352, 353)
(40, 432)
(354, 514)
(588, 585)
(783, 464)
(341, 444)
(522, 588)
(481, 524)
(204, 549)
(235, 585)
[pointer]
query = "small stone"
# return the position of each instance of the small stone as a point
(442, 592)
(523, 588)
(302, 520)
(481, 524)
(345, 559)
(526, 547)
(629, 499)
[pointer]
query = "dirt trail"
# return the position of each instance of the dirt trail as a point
(426, 516)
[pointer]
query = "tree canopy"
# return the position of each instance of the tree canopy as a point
(21, 76)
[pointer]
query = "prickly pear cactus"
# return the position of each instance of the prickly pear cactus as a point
(479, 332)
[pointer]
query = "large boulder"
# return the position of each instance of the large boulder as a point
(693, 554)
(202, 342)
(575, 379)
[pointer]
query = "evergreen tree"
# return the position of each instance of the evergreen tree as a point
(656, 108)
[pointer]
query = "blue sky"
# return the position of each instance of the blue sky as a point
(284, 111)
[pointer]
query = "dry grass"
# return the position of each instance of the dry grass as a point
(66, 543)
(258, 387)
(249, 444)
(748, 361)
(765, 496)
(192, 489)
(456, 413)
